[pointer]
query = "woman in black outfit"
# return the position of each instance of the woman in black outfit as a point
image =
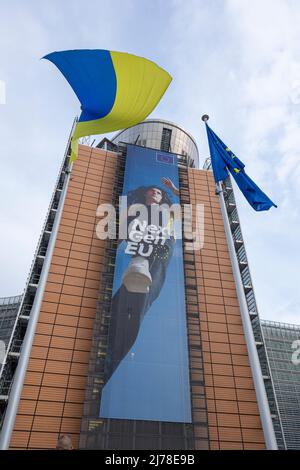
(129, 308)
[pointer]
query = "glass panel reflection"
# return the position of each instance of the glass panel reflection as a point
(160, 134)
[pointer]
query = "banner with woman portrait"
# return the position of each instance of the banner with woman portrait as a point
(146, 364)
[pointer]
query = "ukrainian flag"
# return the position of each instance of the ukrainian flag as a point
(116, 90)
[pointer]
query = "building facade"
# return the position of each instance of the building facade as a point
(282, 341)
(59, 373)
(8, 312)
(9, 307)
(161, 135)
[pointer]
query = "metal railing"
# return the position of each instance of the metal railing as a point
(9, 365)
(252, 309)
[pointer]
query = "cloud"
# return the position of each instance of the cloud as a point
(238, 61)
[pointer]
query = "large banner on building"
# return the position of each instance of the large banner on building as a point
(146, 365)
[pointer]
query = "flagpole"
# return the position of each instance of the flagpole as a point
(262, 400)
(19, 377)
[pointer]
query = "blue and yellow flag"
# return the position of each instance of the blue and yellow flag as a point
(222, 160)
(116, 90)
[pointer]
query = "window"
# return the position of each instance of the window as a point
(165, 139)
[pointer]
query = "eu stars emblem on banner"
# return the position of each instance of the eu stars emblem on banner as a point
(165, 158)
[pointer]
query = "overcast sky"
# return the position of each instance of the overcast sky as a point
(237, 60)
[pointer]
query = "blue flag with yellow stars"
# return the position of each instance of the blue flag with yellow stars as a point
(224, 160)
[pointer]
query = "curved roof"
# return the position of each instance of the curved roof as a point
(163, 121)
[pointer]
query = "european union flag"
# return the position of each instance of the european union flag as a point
(222, 160)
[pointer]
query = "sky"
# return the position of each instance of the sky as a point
(236, 60)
